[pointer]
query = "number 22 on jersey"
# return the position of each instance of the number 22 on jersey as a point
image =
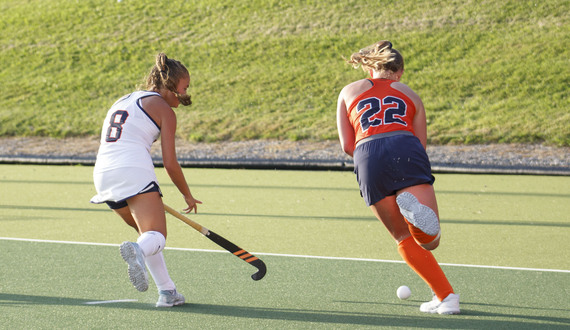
(373, 105)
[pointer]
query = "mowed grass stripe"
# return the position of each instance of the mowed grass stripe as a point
(74, 61)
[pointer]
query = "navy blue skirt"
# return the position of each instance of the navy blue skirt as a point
(388, 164)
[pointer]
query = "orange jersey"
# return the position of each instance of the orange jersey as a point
(381, 109)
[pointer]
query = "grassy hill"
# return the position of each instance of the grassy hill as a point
(493, 71)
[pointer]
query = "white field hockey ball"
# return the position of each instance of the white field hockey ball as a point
(403, 292)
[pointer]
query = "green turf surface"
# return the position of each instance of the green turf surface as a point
(52, 283)
(509, 221)
(273, 211)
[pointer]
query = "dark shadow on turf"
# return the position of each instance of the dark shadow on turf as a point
(507, 223)
(371, 218)
(225, 186)
(501, 193)
(313, 316)
(301, 217)
(416, 303)
(470, 312)
(53, 208)
(355, 188)
(19, 299)
(534, 308)
(35, 182)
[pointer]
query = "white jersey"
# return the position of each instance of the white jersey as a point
(124, 164)
(127, 135)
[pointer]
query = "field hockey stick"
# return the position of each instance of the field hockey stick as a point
(234, 249)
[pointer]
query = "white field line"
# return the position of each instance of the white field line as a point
(296, 255)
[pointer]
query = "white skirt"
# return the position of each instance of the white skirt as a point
(120, 184)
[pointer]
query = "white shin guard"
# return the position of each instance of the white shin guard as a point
(151, 243)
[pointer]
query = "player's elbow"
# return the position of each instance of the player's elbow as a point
(348, 149)
(170, 164)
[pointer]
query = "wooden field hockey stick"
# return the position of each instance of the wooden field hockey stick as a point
(234, 249)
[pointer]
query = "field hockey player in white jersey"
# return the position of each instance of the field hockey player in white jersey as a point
(124, 174)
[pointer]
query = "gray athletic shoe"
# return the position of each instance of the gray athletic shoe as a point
(449, 305)
(419, 215)
(169, 298)
(133, 255)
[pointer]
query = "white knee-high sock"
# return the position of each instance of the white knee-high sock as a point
(151, 243)
(157, 268)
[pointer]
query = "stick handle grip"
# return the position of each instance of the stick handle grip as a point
(187, 220)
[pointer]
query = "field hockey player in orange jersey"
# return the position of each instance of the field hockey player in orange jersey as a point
(382, 124)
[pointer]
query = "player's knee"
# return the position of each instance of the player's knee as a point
(152, 242)
(431, 245)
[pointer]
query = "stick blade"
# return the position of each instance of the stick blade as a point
(229, 246)
(240, 253)
(261, 269)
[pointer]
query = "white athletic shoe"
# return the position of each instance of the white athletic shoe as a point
(449, 305)
(133, 255)
(419, 215)
(169, 298)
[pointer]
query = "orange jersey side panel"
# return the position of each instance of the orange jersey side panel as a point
(381, 109)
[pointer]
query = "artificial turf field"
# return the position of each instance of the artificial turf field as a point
(330, 263)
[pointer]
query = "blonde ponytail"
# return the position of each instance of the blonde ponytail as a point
(379, 57)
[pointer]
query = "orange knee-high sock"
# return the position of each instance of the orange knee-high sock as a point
(420, 236)
(425, 265)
